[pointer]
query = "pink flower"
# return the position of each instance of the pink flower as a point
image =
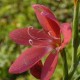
(43, 42)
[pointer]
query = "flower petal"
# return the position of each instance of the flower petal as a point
(22, 36)
(52, 25)
(28, 59)
(47, 24)
(67, 33)
(49, 66)
(36, 70)
(44, 9)
(41, 18)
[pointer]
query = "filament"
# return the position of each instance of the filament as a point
(33, 37)
(53, 36)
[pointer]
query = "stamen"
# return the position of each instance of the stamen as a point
(33, 37)
(29, 32)
(41, 46)
(36, 45)
(53, 36)
(30, 42)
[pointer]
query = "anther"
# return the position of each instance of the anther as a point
(30, 42)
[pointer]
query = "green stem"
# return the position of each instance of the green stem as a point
(74, 69)
(63, 54)
(75, 40)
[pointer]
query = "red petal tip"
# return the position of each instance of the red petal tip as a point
(34, 5)
(11, 71)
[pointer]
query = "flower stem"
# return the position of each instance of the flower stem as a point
(75, 40)
(63, 54)
(73, 70)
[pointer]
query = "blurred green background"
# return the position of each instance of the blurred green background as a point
(18, 14)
